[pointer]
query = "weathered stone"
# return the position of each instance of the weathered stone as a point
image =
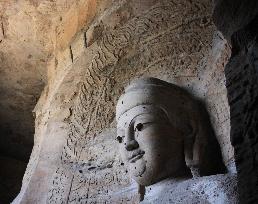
(241, 76)
(148, 42)
(209, 189)
(231, 15)
(74, 158)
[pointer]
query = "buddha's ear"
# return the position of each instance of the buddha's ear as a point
(141, 192)
(191, 149)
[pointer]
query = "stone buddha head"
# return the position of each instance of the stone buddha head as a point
(159, 131)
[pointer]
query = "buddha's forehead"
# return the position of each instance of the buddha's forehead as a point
(138, 112)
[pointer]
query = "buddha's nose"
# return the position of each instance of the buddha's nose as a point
(130, 143)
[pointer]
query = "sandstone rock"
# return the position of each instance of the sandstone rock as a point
(157, 39)
(43, 47)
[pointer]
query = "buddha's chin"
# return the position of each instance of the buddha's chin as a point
(139, 173)
(138, 168)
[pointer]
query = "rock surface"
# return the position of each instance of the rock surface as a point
(30, 33)
(92, 50)
(74, 158)
(218, 189)
(242, 85)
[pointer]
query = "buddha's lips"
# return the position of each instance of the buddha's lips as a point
(135, 155)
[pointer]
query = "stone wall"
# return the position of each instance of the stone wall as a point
(242, 76)
(30, 33)
(75, 158)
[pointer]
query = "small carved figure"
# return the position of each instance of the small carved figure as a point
(164, 132)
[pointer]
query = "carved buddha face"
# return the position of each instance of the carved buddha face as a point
(149, 144)
(161, 130)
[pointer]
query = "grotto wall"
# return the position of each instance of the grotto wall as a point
(30, 32)
(75, 158)
(22, 78)
(238, 21)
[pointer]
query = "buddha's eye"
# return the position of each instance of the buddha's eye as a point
(119, 139)
(139, 126)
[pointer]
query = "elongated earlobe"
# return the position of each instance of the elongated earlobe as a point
(191, 152)
(141, 192)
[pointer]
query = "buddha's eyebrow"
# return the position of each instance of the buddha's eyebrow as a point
(145, 123)
(132, 121)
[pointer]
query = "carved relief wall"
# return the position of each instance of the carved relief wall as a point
(75, 158)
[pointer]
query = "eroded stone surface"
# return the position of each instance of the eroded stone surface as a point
(30, 34)
(241, 73)
(209, 189)
(241, 76)
(75, 159)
